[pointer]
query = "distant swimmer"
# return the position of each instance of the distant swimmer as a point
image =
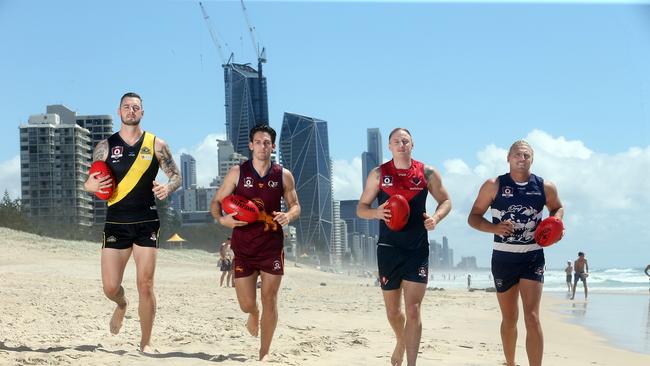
(581, 268)
(403, 254)
(132, 226)
(516, 200)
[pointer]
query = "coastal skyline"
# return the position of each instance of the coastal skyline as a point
(461, 76)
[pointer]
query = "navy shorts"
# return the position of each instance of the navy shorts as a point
(396, 264)
(509, 268)
(123, 236)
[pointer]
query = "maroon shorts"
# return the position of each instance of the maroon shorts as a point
(245, 267)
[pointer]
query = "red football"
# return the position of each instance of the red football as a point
(104, 170)
(246, 210)
(549, 231)
(399, 211)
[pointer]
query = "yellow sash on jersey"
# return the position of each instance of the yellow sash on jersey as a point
(139, 167)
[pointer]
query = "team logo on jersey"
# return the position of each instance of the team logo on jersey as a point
(277, 266)
(422, 272)
(153, 236)
(261, 185)
(273, 184)
(416, 181)
(506, 192)
(116, 152)
(248, 182)
(387, 181)
(146, 154)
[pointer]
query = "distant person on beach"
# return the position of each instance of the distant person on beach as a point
(224, 264)
(469, 281)
(569, 271)
(403, 256)
(581, 268)
(516, 201)
(259, 246)
(132, 226)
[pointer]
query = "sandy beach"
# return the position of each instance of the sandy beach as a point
(53, 311)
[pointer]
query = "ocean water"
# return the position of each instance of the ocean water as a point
(618, 307)
(620, 280)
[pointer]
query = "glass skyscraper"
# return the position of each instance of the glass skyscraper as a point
(246, 103)
(304, 150)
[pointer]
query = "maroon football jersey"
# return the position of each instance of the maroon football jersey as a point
(412, 184)
(263, 237)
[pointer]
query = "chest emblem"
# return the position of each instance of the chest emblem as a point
(248, 182)
(117, 152)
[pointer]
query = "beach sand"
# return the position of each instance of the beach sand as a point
(53, 311)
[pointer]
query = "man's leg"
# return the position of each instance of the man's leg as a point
(509, 305)
(270, 287)
(575, 283)
(245, 288)
(531, 295)
(584, 283)
(413, 295)
(396, 318)
(145, 264)
(113, 262)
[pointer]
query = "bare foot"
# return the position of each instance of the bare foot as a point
(398, 354)
(117, 318)
(253, 324)
(148, 350)
(265, 358)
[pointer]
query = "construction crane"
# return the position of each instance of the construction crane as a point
(261, 55)
(214, 37)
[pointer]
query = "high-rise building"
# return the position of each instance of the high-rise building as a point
(339, 245)
(100, 128)
(304, 150)
(371, 159)
(188, 171)
(246, 103)
(54, 162)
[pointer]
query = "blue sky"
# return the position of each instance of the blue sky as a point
(466, 78)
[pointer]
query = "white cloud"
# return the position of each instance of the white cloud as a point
(346, 179)
(207, 159)
(10, 177)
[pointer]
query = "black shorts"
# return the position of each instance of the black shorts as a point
(509, 268)
(568, 278)
(123, 236)
(396, 264)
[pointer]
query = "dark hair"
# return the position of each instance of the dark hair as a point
(398, 129)
(262, 128)
(130, 95)
(580, 254)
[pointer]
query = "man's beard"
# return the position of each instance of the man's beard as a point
(131, 123)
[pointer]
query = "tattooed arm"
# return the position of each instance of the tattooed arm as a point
(94, 184)
(168, 166)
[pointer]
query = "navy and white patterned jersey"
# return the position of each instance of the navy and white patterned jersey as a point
(521, 203)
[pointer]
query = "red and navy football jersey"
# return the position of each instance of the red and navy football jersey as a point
(412, 184)
(264, 236)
